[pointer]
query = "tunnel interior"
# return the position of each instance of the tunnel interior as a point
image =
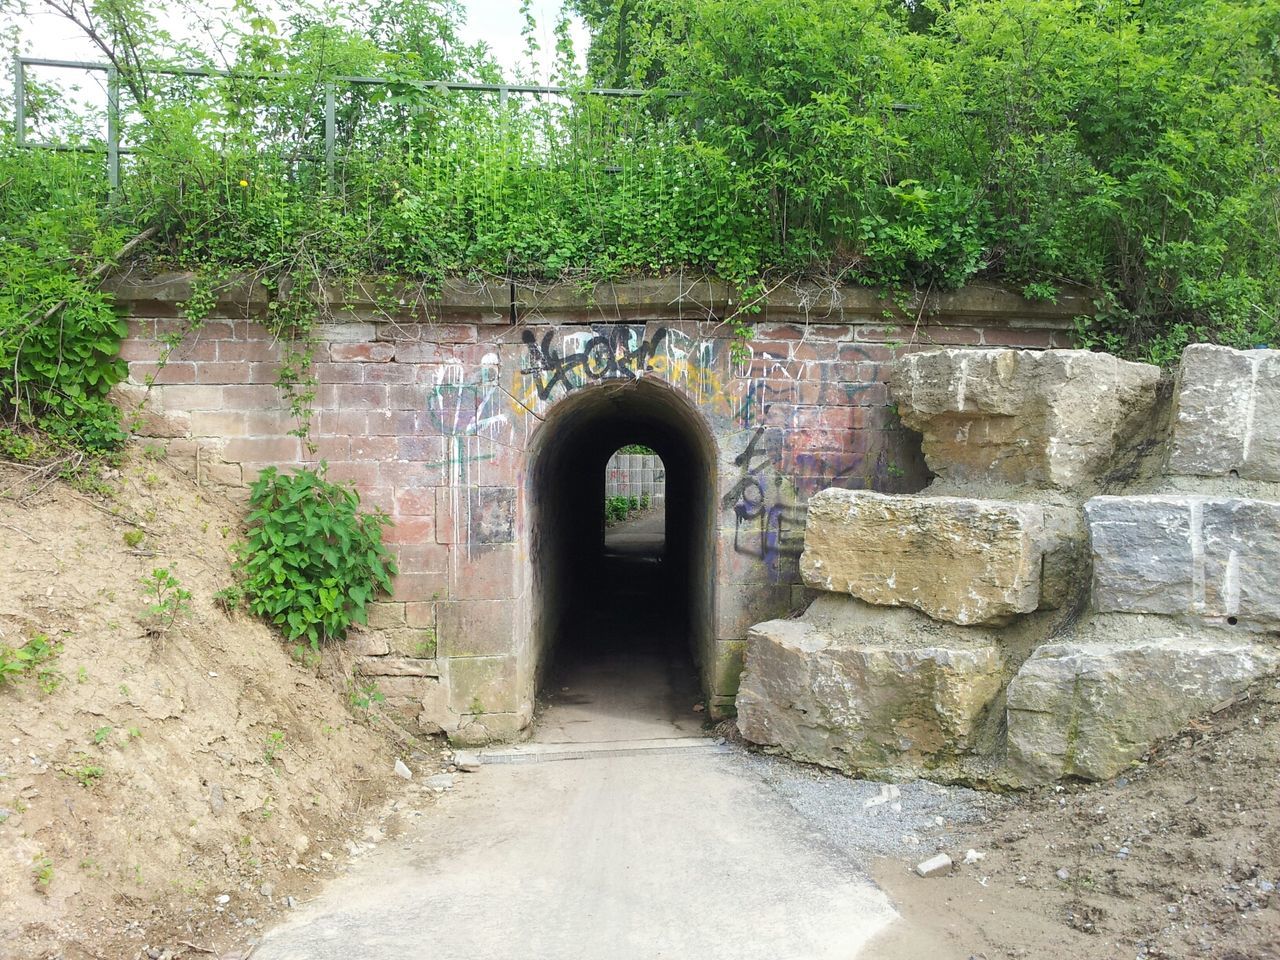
(620, 623)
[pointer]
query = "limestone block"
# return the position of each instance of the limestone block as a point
(865, 703)
(1053, 418)
(1187, 556)
(1228, 413)
(962, 560)
(1089, 709)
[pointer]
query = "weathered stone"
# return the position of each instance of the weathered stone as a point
(366, 643)
(935, 866)
(1228, 414)
(396, 667)
(1186, 555)
(863, 702)
(956, 559)
(1055, 418)
(1089, 709)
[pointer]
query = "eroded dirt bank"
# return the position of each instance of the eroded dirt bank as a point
(162, 787)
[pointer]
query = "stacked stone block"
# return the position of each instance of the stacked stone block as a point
(1167, 595)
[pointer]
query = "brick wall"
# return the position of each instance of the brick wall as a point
(432, 420)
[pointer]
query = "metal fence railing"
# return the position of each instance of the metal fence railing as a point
(114, 149)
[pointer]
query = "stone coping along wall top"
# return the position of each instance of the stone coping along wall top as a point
(639, 300)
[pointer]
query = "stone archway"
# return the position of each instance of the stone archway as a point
(621, 614)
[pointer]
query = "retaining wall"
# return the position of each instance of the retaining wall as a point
(430, 407)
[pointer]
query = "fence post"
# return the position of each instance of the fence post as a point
(113, 130)
(19, 101)
(330, 131)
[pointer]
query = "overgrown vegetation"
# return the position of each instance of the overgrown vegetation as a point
(312, 561)
(617, 509)
(1127, 146)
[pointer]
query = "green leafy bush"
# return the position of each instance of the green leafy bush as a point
(312, 560)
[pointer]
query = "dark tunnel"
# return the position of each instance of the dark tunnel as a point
(632, 616)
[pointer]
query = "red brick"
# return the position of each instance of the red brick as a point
(247, 330)
(331, 448)
(349, 423)
(779, 331)
(450, 332)
(139, 350)
(363, 475)
(362, 352)
(257, 396)
(430, 449)
(243, 351)
(338, 372)
(949, 336)
(195, 348)
(373, 448)
(389, 373)
(410, 530)
(417, 352)
(1031, 339)
(404, 397)
(377, 498)
(141, 329)
(446, 527)
(418, 556)
(416, 502)
(869, 394)
(857, 352)
(815, 350)
(352, 396)
(483, 573)
(392, 423)
(216, 330)
(411, 473)
(213, 372)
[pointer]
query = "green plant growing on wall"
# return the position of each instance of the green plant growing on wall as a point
(312, 561)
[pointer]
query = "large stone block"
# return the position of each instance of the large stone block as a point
(961, 560)
(1228, 414)
(1053, 418)
(1186, 556)
(868, 702)
(1089, 709)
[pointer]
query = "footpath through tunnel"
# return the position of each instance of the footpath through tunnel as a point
(623, 611)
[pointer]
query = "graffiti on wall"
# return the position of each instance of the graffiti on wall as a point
(560, 363)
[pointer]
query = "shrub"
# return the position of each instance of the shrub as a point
(312, 561)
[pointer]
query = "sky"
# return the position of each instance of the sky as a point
(496, 22)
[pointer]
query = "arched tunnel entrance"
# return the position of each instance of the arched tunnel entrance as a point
(620, 621)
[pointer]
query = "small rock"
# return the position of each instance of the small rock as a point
(222, 899)
(216, 801)
(267, 890)
(972, 856)
(290, 902)
(1122, 853)
(466, 761)
(403, 772)
(326, 855)
(698, 707)
(934, 866)
(1266, 886)
(441, 781)
(1063, 874)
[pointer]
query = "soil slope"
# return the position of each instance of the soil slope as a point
(157, 788)
(1179, 858)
